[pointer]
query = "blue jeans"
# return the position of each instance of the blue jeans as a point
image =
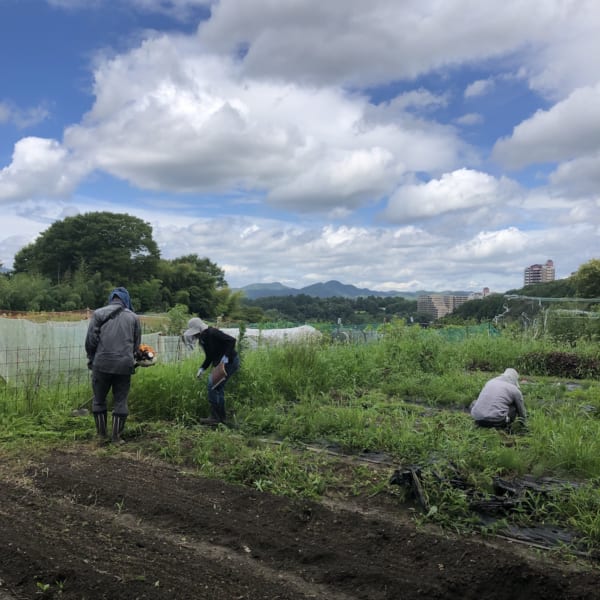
(216, 397)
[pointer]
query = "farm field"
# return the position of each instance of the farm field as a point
(88, 522)
(303, 495)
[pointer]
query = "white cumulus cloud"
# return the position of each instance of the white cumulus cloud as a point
(460, 190)
(569, 129)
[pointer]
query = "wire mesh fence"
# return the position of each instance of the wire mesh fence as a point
(28, 373)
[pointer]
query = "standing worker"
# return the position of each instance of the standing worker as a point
(113, 336)
(219, 350)
(499, 402)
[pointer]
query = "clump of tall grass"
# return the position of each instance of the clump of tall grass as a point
(411, 349)
(32, 397)
(168, 391)
(288, 372)
(561, 364)
(496, 353)
(581, 510)
(565, 441)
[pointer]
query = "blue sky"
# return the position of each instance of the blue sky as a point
(391, 145)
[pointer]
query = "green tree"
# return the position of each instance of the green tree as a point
(193, 281)
(587, 279)
(353, 311)
(4, 290)
(178, 319)
(146, 295)
(118, 246)
(252, 314)
(228, 303)
(476, 311)
(561, 288)
(27, 293)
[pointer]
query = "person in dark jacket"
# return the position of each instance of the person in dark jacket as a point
(499, 402)
(220, 353)
(113, 336)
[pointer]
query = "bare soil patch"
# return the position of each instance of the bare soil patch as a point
(88, 524)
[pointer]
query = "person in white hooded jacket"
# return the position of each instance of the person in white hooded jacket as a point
(500, 402)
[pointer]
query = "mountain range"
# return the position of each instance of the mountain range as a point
(328, 289)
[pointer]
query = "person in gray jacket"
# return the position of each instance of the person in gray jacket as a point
(113, 336)
(499, 402)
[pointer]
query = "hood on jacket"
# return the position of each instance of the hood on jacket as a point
(511, 376)
(123, 295)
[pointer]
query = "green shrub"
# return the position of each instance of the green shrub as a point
(560, 364)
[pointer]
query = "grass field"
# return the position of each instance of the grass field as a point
(298, 411)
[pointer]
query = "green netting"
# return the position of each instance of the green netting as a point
(456, 334)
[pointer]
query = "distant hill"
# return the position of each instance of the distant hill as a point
(328, 289)
(264, 290)
(342, 290)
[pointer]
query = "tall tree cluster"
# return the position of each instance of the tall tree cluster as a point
(351, 311)
(77, 261)
(116, 246)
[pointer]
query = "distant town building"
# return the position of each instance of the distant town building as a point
(479, 295)
(439, 305)
(539, 273)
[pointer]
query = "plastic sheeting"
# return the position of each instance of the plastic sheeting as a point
(28, 349)
(256, 338)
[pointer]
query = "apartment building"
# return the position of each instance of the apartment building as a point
(539, 273)
(439, 305)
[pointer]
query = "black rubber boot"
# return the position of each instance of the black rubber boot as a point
(118, 425)
(213, 420)
(217, 411)
(221, 414)
(100, 420)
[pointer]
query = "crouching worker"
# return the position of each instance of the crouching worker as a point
(499, 402)
(220, 353)
(113, 336)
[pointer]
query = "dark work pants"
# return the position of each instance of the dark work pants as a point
(512, 413)
(102, 383)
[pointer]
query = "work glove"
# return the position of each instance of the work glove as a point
(199, 373)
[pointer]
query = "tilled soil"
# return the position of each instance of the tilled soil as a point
(88, 524)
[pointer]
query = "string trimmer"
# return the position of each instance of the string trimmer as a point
(82, 411)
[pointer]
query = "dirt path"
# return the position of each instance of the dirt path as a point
(86, 525)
